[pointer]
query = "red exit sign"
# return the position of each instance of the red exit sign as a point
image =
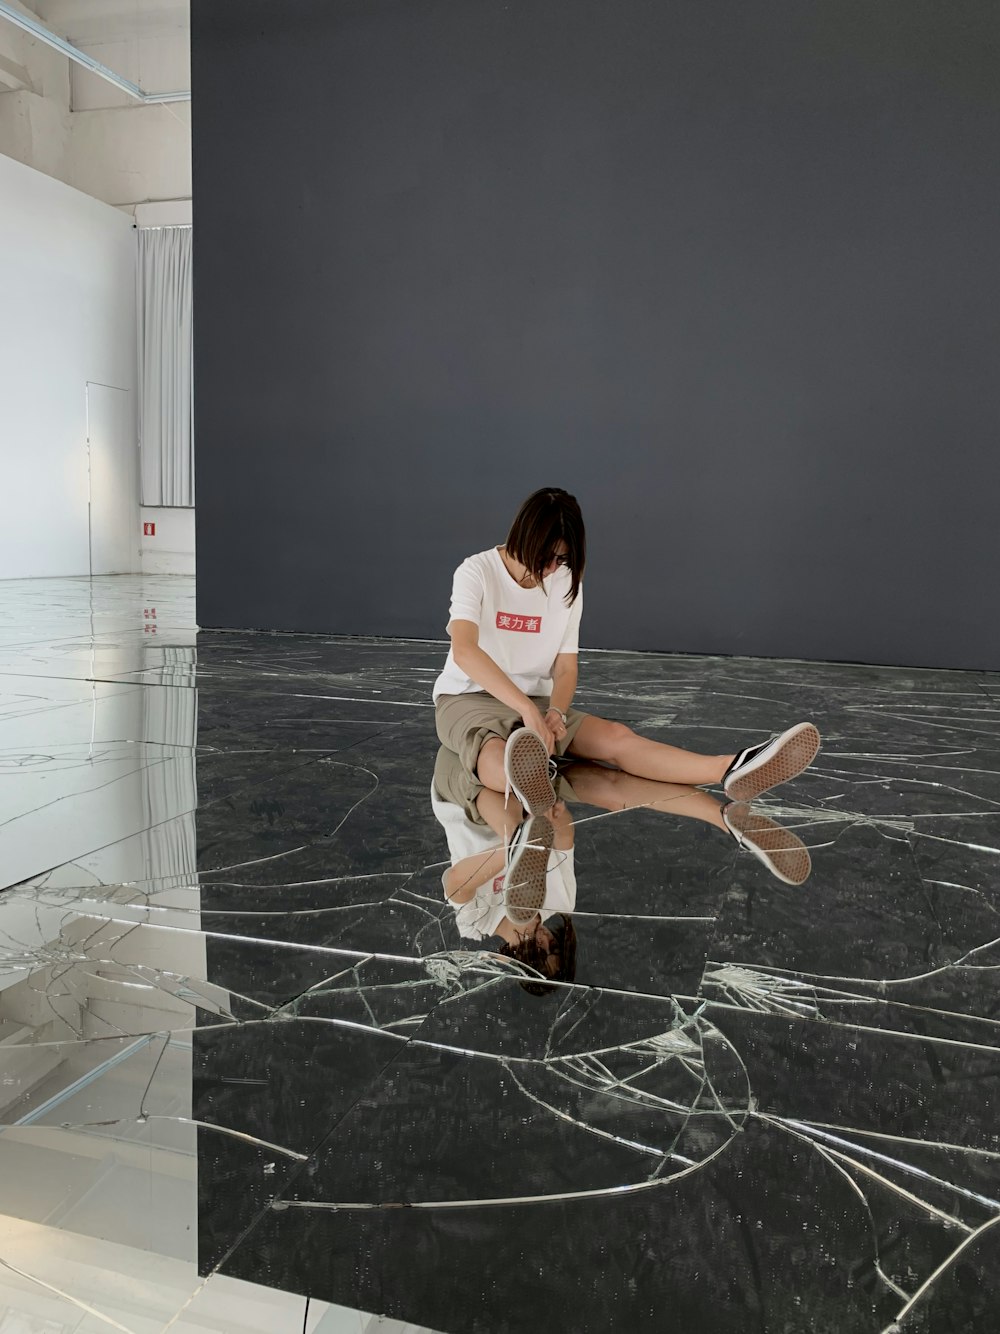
(149, 530)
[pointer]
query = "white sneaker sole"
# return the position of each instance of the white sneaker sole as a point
(526, 766)
(525, 874)
(785, 758)
(781, 851)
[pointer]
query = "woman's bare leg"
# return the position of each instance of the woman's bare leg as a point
(489, 765)
(614, 790)
(614, 743)
(502, 817)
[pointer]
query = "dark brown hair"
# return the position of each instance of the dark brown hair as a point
(547, 517)
(529, 950)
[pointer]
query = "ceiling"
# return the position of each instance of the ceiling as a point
(99, 20)
(145, 42)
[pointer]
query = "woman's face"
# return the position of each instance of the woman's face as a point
(545, 938)
(558, 558)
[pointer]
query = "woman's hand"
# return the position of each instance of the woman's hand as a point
(555, 724)
(533, 720)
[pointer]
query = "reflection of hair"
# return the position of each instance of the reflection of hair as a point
(529, 950)
(547, 517)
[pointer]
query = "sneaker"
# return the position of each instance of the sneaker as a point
(527, 865)
(784, 855)
(764, 766)
(528, 771)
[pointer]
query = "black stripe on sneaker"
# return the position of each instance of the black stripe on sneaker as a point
(746, 755)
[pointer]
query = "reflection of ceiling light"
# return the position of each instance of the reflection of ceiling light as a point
(36, 29)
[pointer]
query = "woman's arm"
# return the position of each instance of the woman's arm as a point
(465, 877)
(564, 677)
(480, 667)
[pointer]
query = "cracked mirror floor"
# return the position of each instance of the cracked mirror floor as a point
(250, 1054)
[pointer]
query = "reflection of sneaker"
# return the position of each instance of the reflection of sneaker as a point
(764, 766)
(529, 775)
(784, 855)
(527, 864)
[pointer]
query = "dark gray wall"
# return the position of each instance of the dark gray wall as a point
(726, 269)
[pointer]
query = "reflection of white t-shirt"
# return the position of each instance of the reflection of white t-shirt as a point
(522, 629)
(480, 917)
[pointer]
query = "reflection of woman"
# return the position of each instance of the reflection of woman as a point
(514, 629)
(486, 875)
(478, 883)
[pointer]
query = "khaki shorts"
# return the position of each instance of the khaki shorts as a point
(454, 783)
(465, 722)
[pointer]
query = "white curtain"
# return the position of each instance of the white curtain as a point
(166, 428)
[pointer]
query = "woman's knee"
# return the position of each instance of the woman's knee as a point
(607, 741)
(490, 755)
(619, 739)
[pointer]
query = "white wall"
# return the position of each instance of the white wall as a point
(67, 286)
(171, 550)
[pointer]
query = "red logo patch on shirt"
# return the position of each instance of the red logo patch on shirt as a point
(526, 625)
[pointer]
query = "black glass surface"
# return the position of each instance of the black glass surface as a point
(754, 1106)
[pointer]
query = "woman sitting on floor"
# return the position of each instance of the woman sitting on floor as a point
(503, 703)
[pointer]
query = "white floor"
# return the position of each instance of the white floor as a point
(54, 1281)
(98, 734)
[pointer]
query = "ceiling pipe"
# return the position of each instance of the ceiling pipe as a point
(37, 29)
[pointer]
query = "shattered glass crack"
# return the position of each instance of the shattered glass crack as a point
(247, 1030)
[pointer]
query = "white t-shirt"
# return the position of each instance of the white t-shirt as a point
(480, 917)
(522, 629)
